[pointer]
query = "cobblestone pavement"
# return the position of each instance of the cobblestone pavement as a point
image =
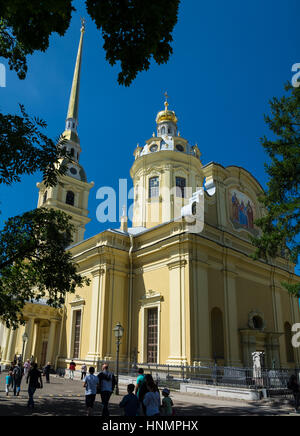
(64, 397)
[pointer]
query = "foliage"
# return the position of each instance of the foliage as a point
(34, 262)
(134, 31)
(24, 149)
(281, 224)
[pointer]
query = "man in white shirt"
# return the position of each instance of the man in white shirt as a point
(90, 385)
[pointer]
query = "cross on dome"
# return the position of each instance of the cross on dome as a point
(166, 102)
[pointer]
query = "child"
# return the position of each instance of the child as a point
(167, 403)
(130, 402)
(72, 368)
(8, 382)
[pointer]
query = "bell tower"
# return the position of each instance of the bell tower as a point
(72, 191)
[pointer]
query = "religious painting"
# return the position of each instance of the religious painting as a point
(242, 211)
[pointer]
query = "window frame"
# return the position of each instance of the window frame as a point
(77, 334)
(153, 191)
(152, 331)
(182, 188)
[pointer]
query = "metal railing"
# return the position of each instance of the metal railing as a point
(273, 380)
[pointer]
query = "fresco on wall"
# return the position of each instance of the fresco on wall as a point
(242, 210)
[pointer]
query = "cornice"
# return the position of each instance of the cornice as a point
(180, 263)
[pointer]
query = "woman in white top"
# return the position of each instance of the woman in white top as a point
(152, 400)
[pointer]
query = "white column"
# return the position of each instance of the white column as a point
(177, 330)
(4, 344)
(34, 339)
(29, 329)
(278, 320)
(94, 352)
(11, 346)
(202, 313)
(231, 318)
(110, 314)
(51, 340)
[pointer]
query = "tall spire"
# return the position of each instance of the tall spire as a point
(72, 116)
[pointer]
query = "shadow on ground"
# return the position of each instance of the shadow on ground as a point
(76, 407)
(53, 407)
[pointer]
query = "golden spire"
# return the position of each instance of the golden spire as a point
(74, 96)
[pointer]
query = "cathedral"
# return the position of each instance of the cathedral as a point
(182, 297)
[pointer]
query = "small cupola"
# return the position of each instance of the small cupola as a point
(166, 121)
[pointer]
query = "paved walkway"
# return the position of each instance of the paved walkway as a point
(64, 397)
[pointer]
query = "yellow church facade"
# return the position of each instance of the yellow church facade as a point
(183, 298)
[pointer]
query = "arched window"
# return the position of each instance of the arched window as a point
(217, 334)
(163, 130)
(45, 197)
(290, 357)
(72, 152)
(70, 199)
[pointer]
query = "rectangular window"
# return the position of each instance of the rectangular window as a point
(77, 328)
(180, 187)
(154, 187)
(152, 335)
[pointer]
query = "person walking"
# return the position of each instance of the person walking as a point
(144, 390)
(72, 368)
(152, 400)
(34, 380)
(11, 369)
(8, 382)
(17, 379)
(293, 386)
(47, 370)
(130, 402)
(27, 366)
(83, 371)
(90, 385)
(167, 403)
(140, 381)
(107, 383)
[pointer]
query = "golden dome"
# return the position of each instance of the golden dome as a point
(166, 115)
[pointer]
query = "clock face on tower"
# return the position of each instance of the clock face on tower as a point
(73, 171)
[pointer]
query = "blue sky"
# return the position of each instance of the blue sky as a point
(230, 58)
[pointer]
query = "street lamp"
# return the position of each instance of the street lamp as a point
(119, 331)
(25, 339)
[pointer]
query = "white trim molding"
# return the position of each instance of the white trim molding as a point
(151, 300)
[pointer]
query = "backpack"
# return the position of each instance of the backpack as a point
(143, 391)
(17, 372)
(102, 376)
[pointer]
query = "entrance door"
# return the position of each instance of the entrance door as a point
(44, 353)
